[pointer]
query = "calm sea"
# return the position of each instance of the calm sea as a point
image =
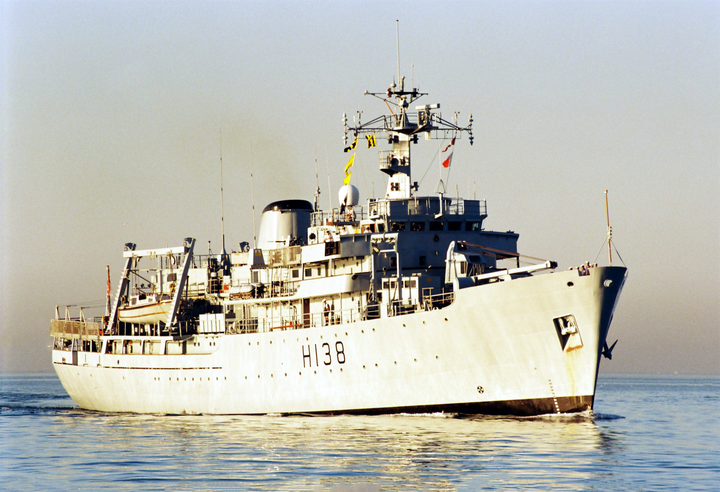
(648, 433)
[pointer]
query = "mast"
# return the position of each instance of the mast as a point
(402, 126)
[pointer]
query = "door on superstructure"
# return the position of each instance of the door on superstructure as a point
(306, 313)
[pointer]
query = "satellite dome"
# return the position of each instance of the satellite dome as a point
(349, 195)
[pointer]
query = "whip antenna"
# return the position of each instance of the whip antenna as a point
(397, 37)
(317, 183)
(222, 199)
(252, 198)
(609, 229)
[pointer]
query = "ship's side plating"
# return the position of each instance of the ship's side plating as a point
(497, 349)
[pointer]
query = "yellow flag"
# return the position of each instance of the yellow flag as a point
(348, 173)
(370, 140)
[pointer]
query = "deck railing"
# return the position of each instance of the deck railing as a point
(334, 317)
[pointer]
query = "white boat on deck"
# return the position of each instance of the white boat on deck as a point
(146, 309)
(404, 304)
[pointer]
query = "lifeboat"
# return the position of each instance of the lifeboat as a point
(146, 309)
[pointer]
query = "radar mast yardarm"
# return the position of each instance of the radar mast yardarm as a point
(402, 128)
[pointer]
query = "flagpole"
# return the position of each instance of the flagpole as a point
(440, 143)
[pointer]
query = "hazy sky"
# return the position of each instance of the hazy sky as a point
(112, 112)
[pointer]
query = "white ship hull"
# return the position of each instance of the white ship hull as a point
(494, 350)
(407, 304)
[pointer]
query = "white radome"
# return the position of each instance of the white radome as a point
(349, 195)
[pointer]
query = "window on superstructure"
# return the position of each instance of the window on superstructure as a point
(472, 225)
(308, 272)
(422, 260)
(381, 227)
(417, 226)
(454, 226)
(437, 226)
(397, 226)
(295, 273)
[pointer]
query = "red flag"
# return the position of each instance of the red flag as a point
(446, 160)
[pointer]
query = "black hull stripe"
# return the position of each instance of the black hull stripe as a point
(520, 408)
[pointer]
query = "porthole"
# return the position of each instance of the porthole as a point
(607, 282)
(570, 284)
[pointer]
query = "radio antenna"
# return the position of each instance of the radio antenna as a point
(327, 163)
(397, 37)
(317, 182)
(252, 198)
(222, 199)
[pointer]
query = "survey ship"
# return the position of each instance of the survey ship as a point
(403, 304)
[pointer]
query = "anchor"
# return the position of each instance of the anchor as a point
(607, 351)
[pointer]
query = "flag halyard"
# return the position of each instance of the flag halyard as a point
(447, 154)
